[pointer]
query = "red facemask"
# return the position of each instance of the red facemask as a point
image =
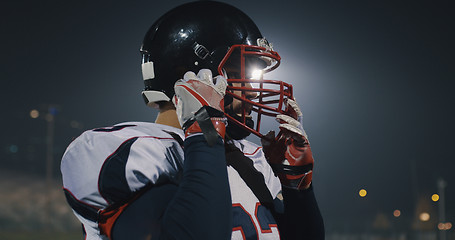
(270, 95)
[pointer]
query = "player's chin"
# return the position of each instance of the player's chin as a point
(234, 131)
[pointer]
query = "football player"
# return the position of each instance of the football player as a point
(192, 174)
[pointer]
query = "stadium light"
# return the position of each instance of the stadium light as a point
(256, 74)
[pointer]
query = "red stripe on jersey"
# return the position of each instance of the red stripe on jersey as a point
(255, 151)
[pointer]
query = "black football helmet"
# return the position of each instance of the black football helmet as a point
(219, 37)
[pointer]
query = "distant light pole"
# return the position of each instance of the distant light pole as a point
(50, 119)
(442, 211)
(50, 133)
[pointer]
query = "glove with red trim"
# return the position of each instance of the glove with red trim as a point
(199, 104)
(289, 153)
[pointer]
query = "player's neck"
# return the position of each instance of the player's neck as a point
(168, 117)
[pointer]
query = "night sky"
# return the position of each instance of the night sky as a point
(375, 80)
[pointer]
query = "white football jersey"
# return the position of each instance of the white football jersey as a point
(146, 153)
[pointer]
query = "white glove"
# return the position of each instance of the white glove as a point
(199, 102)
(192, 92)
(293, 120)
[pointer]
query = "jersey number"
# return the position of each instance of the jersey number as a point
(243, 221)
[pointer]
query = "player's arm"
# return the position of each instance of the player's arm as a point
(301, 218)
(290, 157)
(201, 208)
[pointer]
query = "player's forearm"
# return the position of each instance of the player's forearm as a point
(302, 217)
(201, 208)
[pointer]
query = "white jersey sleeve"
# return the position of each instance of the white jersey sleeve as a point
(108, 165)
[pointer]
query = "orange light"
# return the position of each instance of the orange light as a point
(435, 197)
(396, 213)
(445, 226)
(362, 192)
(441, 226)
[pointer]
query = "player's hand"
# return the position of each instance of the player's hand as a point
(289, 153)
(199, 96)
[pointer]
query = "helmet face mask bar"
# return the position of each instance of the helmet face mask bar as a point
(271, 95)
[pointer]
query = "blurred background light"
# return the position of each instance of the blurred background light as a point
(362, 192)
(34, 113)
(445, 226)
(424, 216)
(435, 197)
(76, 124)
(49, 117)
(13, 148)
